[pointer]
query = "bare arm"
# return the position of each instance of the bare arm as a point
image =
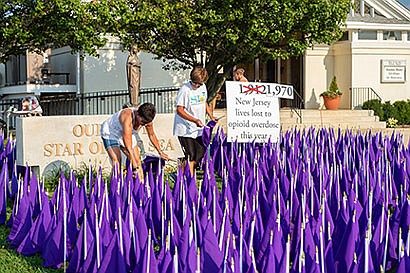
(125, 119)
(183, 114)
(154, 140)
(209, 111)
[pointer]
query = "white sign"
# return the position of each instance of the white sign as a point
(253, 110)
(48, 141)
(393, 71)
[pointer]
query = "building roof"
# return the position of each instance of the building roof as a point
(377, 19)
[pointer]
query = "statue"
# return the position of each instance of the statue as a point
(133, 75)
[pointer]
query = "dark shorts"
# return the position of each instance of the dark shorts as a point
(109, 143)
(193, 148)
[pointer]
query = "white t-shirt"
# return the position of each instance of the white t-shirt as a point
(194, 101)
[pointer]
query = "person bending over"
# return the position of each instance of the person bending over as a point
(119, 132)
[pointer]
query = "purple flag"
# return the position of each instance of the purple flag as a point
(113, 260)
(148, 262)
(348, 245)
(53, 249)
(207, 132)
(212, 256)
(4, 178)
(82, 247)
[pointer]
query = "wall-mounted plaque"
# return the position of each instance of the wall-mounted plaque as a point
(393, 71)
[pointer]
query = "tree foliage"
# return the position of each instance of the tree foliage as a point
(36, 25)
(223, 33)
(229, 32)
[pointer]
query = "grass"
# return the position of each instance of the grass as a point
(13, 262)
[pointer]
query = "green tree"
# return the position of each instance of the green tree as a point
(228, 32)
(223, 33)
(36, 25)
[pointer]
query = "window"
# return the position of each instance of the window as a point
(367, 34)
(392, 35)
(345, 36)
(408, 35)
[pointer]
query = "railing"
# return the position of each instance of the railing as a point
(297, 104)
(106, 102)
(5, 105)
(95, 103)
(362, 94)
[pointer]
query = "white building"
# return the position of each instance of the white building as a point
(61, 71)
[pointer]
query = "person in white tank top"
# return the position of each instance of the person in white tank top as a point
(118, 134)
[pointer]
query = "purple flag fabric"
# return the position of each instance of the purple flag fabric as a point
(43, 221)
(22, 207)
(165, 262)
(53, 249)
(4, 177)
(207, 132)
(404, 265)
(348, 246)
(23, 228)
(192, 260)
(113, 260)
(212, 256)
(148, 262)
(82, 247)
(32, 243)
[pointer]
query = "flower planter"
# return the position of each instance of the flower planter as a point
(332, 103)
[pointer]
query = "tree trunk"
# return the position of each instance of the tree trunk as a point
(216, 80)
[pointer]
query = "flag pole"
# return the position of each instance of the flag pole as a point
(132, 231)
(194, 220)
(381, 226)
(301, 254)
(366, 251)
(184, 206)
(171, 216)
(226, 252)
(251, 235)
(292, 179)
(97, 236)
(64, 227)
(287, 254)
(162, 223)
(214, 208)
(175, 259)
(149, 251)
(400, 243)
(221, 234)
(39, 195)
(408, 241)
(387, 240)
(120, 229)
(85, 235)
(198, 261)
(322, 256)
(240, 249)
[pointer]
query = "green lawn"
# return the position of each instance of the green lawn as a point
(11, 261)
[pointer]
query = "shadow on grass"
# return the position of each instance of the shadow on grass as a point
(11, 261)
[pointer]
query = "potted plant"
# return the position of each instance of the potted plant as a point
(332, 96)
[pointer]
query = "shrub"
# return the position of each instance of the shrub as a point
(376, 106)
(397, 113)
(333, 91)
(402, 109)
(388, 110)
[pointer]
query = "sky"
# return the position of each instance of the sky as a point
(405, 3)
